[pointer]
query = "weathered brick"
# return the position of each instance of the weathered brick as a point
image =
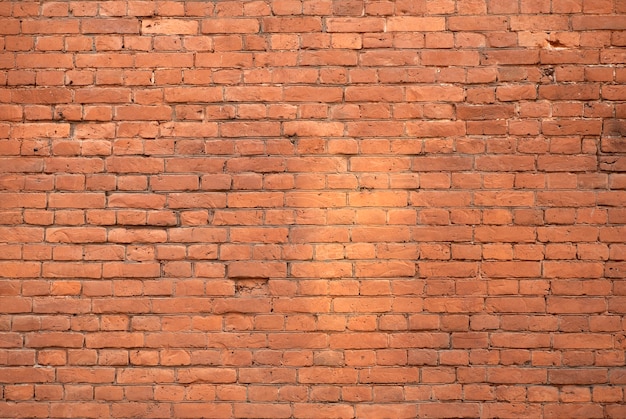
(195, 223)
(292, 24)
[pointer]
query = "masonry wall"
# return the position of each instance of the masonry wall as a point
(313, 209)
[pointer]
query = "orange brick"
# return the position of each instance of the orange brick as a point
(437, 237)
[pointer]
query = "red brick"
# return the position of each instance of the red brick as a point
(567, 57)
(355, 24)
(249, 129)
(129, 270)
(320, 269)
(140, 112)
(514, 93)
(319, 375)
(311, 128)
(339, 58)
(50, 26)
(569, 163)
(572, 126)
(566, 199)
(573, 269)
(37, 130)
(511, 269)
(322, 410)
(380, 234)
(169, 26)
(516, 305)
(510, 57)
(291, 24)
(253, 410)
(104, 60)
(436, 128)
(443, 57)
(156, 59)
(225, 59)
(134, 164)
(71, 270)
(482, 112)
(512, 410)
(199, 410)
(230, 25)
(110, 26)
(594, 22)
(330, 250)
(43, 60)
(435, 93)
(412, 23)
(567, 92)
(256, 270)
(16, 304)
(10, 26)
(54, 339)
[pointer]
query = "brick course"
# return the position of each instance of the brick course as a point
(313, 209)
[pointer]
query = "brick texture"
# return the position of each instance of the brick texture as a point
(313, 209)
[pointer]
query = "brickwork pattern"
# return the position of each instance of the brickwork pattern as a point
(313, 209)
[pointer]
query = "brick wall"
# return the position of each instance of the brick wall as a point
(313, 209)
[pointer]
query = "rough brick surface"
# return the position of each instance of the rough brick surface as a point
(312, 209)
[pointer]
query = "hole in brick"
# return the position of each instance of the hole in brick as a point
(256, 286)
